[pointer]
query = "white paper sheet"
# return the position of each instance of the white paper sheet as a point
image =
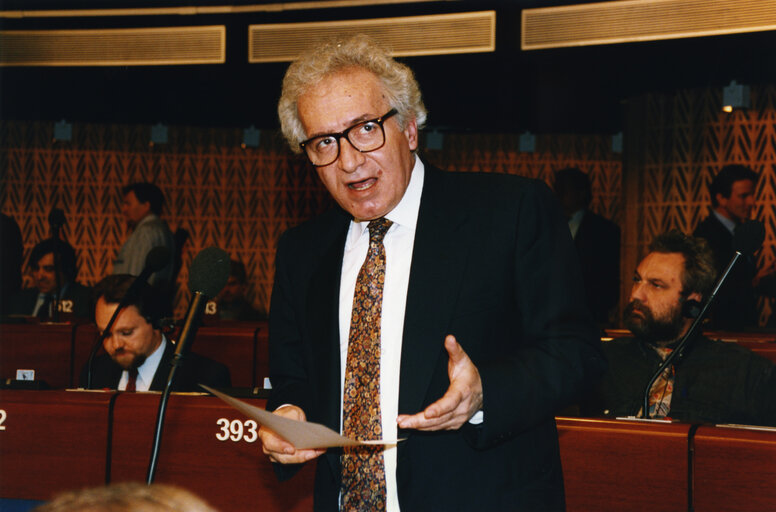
(302, 434)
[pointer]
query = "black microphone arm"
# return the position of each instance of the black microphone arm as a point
(208, 275)
(156, 260)
(56, 220)
(748, 238)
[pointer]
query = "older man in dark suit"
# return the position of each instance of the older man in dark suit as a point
(446, 309)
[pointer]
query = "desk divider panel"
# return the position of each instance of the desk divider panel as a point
(734, 469)
(208, 448)
(611, 465)
(45, 348)
(52, 441)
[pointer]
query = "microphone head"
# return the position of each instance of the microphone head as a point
(157, 258)
(209, 272)
(56, 217)
(749, 237)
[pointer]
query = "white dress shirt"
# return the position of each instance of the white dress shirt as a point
(575, 221)
(729, 224)
(42, 300)
(146, 371)
(399, 242)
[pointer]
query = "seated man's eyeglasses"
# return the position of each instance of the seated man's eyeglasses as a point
(365, 136)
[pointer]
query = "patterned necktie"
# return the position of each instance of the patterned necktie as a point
(132, 381)
(663, 388)
(363, 469)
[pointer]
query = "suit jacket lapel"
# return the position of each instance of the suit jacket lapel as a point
(437, 267)
(323, 325)
(163, 370)
(111, 375)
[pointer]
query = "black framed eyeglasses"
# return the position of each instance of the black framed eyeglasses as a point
(365, 136)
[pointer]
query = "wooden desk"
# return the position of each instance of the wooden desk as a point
(52, 441)
(613, 465)
(734, 470)
(45, 348)
(231, 474)
(738, 337)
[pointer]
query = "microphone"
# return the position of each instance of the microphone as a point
(56, 219)
(208, 275)
(156, 259)
(747, 239)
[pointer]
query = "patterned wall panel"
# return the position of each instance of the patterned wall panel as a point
(500, 153)
(238, 199)
(682, 140)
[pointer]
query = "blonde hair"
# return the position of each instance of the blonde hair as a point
(333, 56)
(127, 497)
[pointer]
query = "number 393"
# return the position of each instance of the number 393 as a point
(236, 430)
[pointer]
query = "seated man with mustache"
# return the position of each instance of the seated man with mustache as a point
(138, 356)
(714, 382)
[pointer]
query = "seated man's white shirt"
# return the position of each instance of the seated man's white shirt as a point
(42, 299)
(146, 371)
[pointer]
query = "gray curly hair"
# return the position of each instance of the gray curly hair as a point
(326, 59)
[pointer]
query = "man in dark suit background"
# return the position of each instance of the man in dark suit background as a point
(732, 200)
(597, 240)
(54, 269)
(138, 355)
(481, 333)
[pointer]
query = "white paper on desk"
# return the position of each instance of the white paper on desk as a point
(302, 434)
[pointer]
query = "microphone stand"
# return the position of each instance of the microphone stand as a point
(98, 343)
(56, 220)
(677, 353)
(207, 276)
(188, 332)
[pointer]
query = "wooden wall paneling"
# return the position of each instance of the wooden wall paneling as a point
(240, 199)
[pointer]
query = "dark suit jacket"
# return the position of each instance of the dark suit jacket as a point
(492, 264)
(735, 308)
(196, 369)
(716, 382)
(80, 298)
(598, 245)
